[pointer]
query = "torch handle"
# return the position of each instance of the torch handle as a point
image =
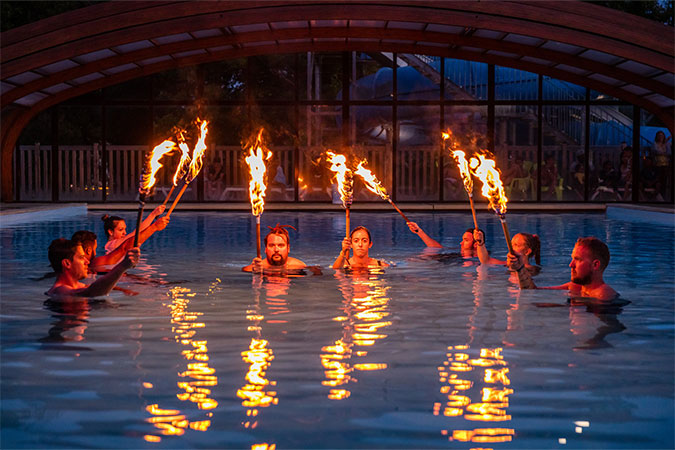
(399, 211)
(141, 205)
(257, 235)
(507, 235)
(347, 221)
(180, 194)
(169, 195)
(473, 212)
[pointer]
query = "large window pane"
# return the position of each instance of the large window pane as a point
(656, 162)
(468, 125)
(225, 80)
(372, 137)
(554, 89)
(138, 89)
(417, 171)
(320, 129)
(465, 80)
(610, 133)
(272, 77)
(513, 84)
(562, 172)
(372, 76)
(516, 141)
(177, 84)
(419, 80)
(80, 153)
(320, 76)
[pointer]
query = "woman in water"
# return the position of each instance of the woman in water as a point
(525, 244)
(359, 241)
(116, 228)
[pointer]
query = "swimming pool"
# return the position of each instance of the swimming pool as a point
(430, 354)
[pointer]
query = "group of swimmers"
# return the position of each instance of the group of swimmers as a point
(75, 259)
(590, 258)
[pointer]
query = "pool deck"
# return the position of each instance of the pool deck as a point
(20, 213)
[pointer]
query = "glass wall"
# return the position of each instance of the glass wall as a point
(552, 140)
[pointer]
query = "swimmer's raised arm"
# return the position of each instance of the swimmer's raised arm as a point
(425, 238)
(116, 255)
(481, 250)
(517, 264)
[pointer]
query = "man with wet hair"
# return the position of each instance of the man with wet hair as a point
(277, 247)
(71, 265)
(590, 258)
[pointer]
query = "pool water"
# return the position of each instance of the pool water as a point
(432, 353)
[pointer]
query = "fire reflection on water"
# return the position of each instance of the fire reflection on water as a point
(494, 396)
(366, 307)
(196, 379)
(490, 403)
(259, 356)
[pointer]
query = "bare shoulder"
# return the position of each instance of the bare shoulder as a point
(605, 292)
(295, 263)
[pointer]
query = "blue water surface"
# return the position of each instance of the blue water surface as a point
(432, 353)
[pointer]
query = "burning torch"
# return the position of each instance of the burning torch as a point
(148, 180)
(345, 182)
(493, 189)
(183, 165)
(375, 186)
(195, 164)
(464, 172)
(256, 187)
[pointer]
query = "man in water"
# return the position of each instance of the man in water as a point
(277, 247)
(71, 265)
(590, 258)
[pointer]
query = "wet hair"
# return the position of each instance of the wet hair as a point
(59, 250)
(360, 228)
(598, 249)
(533, 243)
(85, 238)
(280, 230)
(109, 223)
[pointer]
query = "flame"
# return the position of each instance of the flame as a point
(493, 189)
(184, 162)
(198, 153)
(148, 179)
(343, 177)
(256, 163)
(464, 172)
(372, 183)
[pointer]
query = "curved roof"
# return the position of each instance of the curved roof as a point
(622, 55)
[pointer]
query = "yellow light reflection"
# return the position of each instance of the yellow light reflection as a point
(493, 402)
(196, 376)
(366, 307)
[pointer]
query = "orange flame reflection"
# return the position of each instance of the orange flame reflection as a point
(372, 183)
(493, 400)
(256, 163)
(343, 177)
(198, 376)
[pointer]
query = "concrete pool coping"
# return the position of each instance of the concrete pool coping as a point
(20, 213)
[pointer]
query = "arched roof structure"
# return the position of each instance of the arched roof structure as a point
(47, 62)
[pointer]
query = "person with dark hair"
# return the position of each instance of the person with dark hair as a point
(526, 244)
(116, 228)
(467, 246)
(71, 265)
(590, 258)
(359, 240)
(277, 247)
